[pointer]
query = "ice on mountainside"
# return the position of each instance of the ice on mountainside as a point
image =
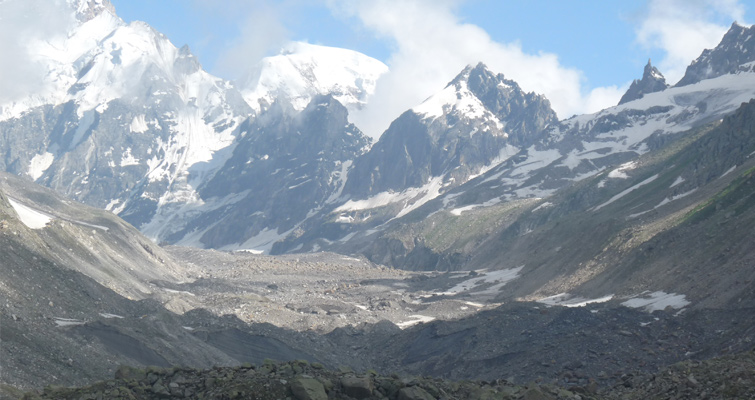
(130, 105)
(303, 70)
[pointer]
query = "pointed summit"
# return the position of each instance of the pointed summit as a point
(652, 81)
(477, 91)
(451, 136)
(736, 48)
(88, 9)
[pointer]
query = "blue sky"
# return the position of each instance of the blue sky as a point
(596, 37)
(581, 54)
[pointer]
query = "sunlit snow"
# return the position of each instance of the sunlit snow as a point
(568, 300)
(410, 199)
(138, 124)
(39, 164)
(415, 319)
(30, 217)
(303, 70)
(657, 301)
(625, 192)
(499, 278)
(453, 99)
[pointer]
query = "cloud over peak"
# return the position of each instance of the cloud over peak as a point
(432, 45)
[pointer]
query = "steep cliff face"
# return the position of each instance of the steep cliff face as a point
(735, 52)
(478, 119)
(285, 167)
(129, 124)
(652, 81)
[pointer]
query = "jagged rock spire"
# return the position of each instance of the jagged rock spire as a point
(652, 81)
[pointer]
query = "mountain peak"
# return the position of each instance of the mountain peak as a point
(470, 71)
(302, 70)
(477, 90)
(737, 47)
(652, 81)
(89, 9)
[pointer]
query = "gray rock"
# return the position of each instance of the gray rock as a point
(652, 81)
(736, 48)
(308, 389)
(357, 387)
(414, 393)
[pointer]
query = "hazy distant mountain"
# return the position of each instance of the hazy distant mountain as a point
(302, 71)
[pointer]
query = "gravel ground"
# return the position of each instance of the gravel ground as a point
(318, 292)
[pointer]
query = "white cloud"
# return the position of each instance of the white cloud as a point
(261, 31)
(23, 22)
(684, 28)
(432, 45)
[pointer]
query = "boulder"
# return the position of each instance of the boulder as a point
(308, 389)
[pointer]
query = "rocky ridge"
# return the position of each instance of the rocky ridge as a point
(382, 226)
(652, 81)
(732, 55)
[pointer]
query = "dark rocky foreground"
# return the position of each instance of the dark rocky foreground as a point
(297, 380)
(729, 377)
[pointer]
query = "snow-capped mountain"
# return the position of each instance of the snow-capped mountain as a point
(286, 166)
(478, 119)
(90, 22)
(734, 53)
(652, 81)
(383, 223)
(302, 71)
(125, 121)
(128, 122)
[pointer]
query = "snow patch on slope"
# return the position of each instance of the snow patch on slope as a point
(676, 197)
(138, 124)
(30, 217)
(625, 192)
(39, 164)
(499, 278)
(657, 301)
(568, 300)
(410, 199)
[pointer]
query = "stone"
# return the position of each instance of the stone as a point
(535, 393)
(126, 372)
(357, 387)
(414, 393)
(308, 389)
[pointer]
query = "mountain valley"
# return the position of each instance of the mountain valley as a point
(170, 234)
